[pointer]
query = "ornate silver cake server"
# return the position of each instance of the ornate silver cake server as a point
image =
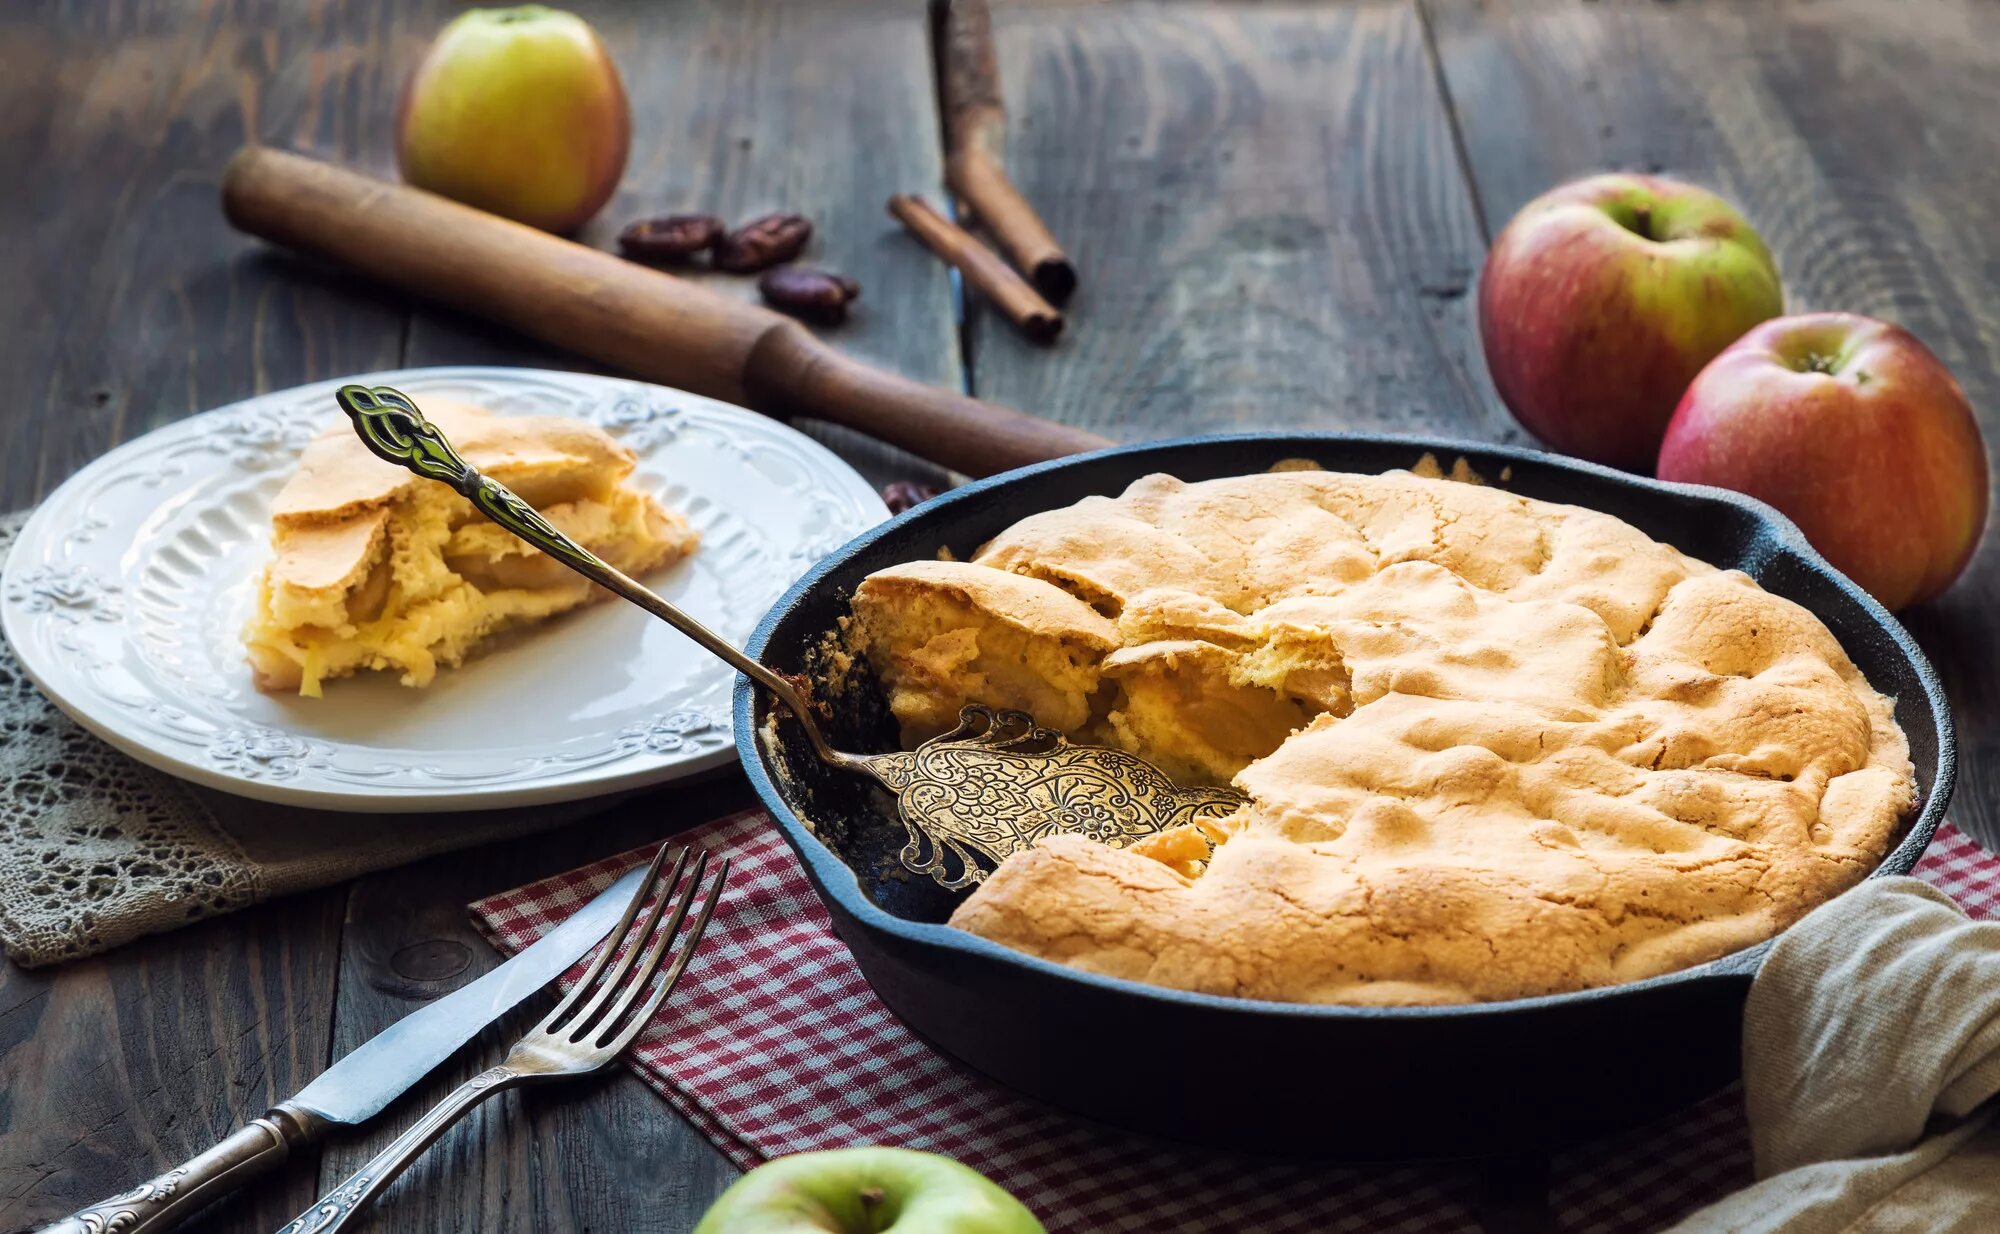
(988, 789)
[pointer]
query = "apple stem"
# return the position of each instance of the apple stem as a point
(1642, 221)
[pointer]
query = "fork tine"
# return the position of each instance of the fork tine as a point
(632, 942)
(661, 939)
(637, 1023)
(615, 939)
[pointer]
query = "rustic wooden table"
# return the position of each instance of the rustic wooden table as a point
(1278, 211)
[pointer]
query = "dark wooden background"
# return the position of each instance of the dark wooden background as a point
(1278, 211)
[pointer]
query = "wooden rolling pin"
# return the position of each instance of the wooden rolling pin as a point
(621, 314)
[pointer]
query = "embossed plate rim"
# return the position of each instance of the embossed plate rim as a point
(53, 615)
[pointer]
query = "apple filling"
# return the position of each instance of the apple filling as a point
(374, 572)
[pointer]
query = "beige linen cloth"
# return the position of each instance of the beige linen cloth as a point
(97, 850)
(1871, 1054)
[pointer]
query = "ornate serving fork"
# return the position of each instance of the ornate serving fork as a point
(988, 789)
(600, 1018)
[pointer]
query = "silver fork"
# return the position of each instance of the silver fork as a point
(577, 1038)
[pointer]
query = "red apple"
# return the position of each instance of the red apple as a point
(1857, 432)
(1602, 299)
(519, 111)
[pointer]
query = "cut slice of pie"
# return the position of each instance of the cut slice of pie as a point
(373, 568)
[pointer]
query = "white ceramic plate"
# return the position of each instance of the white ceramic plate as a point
(127, 591)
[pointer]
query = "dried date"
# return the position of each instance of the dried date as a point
(673, 238)
(764, 242)
(803, 291)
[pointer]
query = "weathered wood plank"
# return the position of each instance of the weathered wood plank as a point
(1854, 135)
(114, 1069)
(740, 109)
(128, 304)
(602, 1154)
(132, 303)
(1267, 216)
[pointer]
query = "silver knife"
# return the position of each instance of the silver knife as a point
(356, 1088)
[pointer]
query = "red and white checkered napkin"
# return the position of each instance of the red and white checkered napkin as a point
(775, 1044)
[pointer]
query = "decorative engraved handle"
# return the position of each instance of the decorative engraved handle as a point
(389, 423)
(163, 1203)
(338, 1206)
(396, 432)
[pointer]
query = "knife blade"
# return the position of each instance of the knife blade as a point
(382, 1068)
(358, 1086)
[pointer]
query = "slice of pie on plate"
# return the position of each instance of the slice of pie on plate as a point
(373, 568)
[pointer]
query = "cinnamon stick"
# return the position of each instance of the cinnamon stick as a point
(981, 266)
(975, 134)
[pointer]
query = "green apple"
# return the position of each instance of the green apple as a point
(519, 111)
(866, 1191)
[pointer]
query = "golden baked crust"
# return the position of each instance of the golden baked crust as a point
(1494, 747)
(374, 568)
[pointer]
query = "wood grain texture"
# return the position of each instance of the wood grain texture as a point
(743, 108)
(143, 306)
(1857, 137)
(738, 110)
(603, 1153)
(128, 303)
(1272, 226)
(1267, 217)
(116, 1068)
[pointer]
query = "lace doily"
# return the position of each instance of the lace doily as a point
(95, 849)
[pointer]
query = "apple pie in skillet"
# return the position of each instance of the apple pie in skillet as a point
(1493, 747)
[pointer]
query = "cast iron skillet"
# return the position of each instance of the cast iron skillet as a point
(1341, 1083)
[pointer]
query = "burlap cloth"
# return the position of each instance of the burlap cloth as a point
(97, 850)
